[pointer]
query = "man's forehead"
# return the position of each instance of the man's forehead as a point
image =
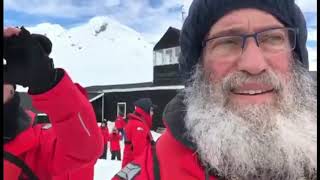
(245, 20)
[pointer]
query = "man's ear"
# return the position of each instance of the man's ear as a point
(8, 92)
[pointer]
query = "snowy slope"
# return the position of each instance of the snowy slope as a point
(100, 52)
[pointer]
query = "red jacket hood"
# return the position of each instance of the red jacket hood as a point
(140, 114)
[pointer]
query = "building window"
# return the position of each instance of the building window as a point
(177, 51)
(122, 108)
(154, 58)
(169, 55)
(159, 57)
(163, 57)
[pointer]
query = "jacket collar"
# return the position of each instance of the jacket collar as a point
(174, 114)
(140, 115)
(15, 119)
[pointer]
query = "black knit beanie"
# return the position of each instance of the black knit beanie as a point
(144, 103)
(204, 13)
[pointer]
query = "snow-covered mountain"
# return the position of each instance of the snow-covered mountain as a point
(100, 52)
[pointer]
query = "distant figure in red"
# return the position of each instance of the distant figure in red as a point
(115, 144)
(105, 134)
(120, 123)
(137, 130)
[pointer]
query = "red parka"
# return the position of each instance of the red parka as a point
(84, 173)
(114, 141)
(77, 140)
(105, 134)
(172, 157)
(138, 135)
(120, 122)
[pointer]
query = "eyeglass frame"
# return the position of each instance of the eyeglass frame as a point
(254, 35)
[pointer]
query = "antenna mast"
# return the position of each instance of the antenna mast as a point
(183, 13)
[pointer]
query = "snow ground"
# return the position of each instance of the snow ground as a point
(106, 169)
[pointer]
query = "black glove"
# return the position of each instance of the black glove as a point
(44, 42)
(28, 63)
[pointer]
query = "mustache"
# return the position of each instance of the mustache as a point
(237, 79)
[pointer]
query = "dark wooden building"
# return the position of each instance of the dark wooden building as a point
(118, 99)
(165, 59)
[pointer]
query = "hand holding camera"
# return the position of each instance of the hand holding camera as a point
(27, 60)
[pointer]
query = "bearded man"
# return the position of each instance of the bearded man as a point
(249, 107)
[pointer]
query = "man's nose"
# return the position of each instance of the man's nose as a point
(252, 59)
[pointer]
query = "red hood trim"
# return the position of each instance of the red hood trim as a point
(141, 115)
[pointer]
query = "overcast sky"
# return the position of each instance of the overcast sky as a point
(149, 17)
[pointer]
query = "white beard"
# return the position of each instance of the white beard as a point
(268, 141)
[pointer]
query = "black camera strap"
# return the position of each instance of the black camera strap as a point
(21, 164)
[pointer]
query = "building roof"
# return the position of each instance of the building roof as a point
(169, 39)
(152, 88)
(99, 89)
(147, 86)
(94, 96)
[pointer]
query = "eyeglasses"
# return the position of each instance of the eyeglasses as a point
(270, 42)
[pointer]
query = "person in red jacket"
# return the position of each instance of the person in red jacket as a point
(115, 144)
(86, 172)
(249, 108)
(137, 130)
(120, 123)
(105, 134)
(33, 152)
